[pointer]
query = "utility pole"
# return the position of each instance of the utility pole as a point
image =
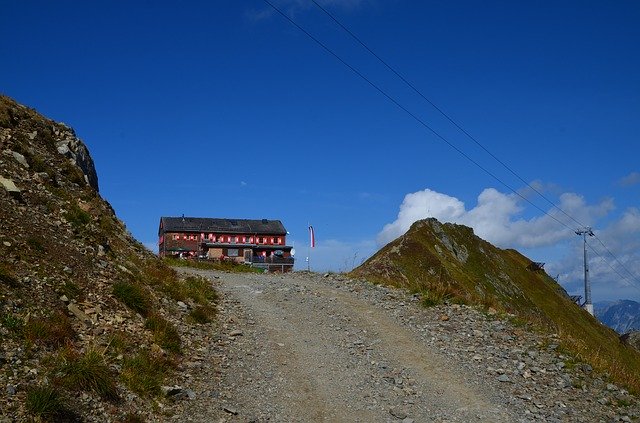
(588, 305)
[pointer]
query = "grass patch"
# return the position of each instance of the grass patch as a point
(52, 331)
(45, 401)
(36, 244)
(87, 372)
(228, 265)
(144, 373)
(71, 290)
(200, 290)
(12, 323)
(202, 314)
(120, 343)
(438, 294)
(132, 418)
(164, 333)
(8, 278)
(77, 217)
(133, 296)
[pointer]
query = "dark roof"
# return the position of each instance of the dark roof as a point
(207, 224)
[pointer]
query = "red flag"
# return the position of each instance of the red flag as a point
(313, 236)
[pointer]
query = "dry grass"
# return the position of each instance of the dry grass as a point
(52, 331)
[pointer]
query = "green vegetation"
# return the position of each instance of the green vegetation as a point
(86, 372)
(77, 217)
(164, 333)
(52, 331)
(8, 278)
(197, 288)
(144, 373)
(45, 401)
(12, 323)
(133, 296)
(202, 314)
(36, 244)
(71, 290)
(448, 263)
(227, 265)
(119, 343)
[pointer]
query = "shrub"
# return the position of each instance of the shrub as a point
(52, 331)
(133, 296)
(164, 333)
(144, 373)
(87, 372)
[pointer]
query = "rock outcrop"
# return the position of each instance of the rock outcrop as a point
(85, 309)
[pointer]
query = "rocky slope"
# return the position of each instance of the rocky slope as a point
(91, 323)
(449, 263)
(622, 316)
(307, 347)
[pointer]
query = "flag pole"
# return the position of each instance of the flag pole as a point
(309, 248)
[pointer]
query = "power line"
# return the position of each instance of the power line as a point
(414, 116)
(598, 255)
(433, 131)
(442, 112)
(460, 128)
(615, 258)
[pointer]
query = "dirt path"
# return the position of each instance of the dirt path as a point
(313, 352)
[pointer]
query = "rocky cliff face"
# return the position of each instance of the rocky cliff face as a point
(449, 263)
(85, 309)
(622, 316)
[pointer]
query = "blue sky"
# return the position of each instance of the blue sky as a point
(224, 109)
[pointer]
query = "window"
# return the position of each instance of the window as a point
(232, 252)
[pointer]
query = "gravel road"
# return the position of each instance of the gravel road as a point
(306, 348)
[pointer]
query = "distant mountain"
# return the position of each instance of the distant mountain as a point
(622, 316)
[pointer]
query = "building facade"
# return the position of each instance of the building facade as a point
(259, 243)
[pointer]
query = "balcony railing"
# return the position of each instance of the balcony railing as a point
(270, 260)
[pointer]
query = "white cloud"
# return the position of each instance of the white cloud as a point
(495, 217)
(631, 179)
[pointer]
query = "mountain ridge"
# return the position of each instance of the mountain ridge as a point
(445, 262)
(623, 316)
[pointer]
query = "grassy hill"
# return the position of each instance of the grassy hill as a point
(448, 262)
